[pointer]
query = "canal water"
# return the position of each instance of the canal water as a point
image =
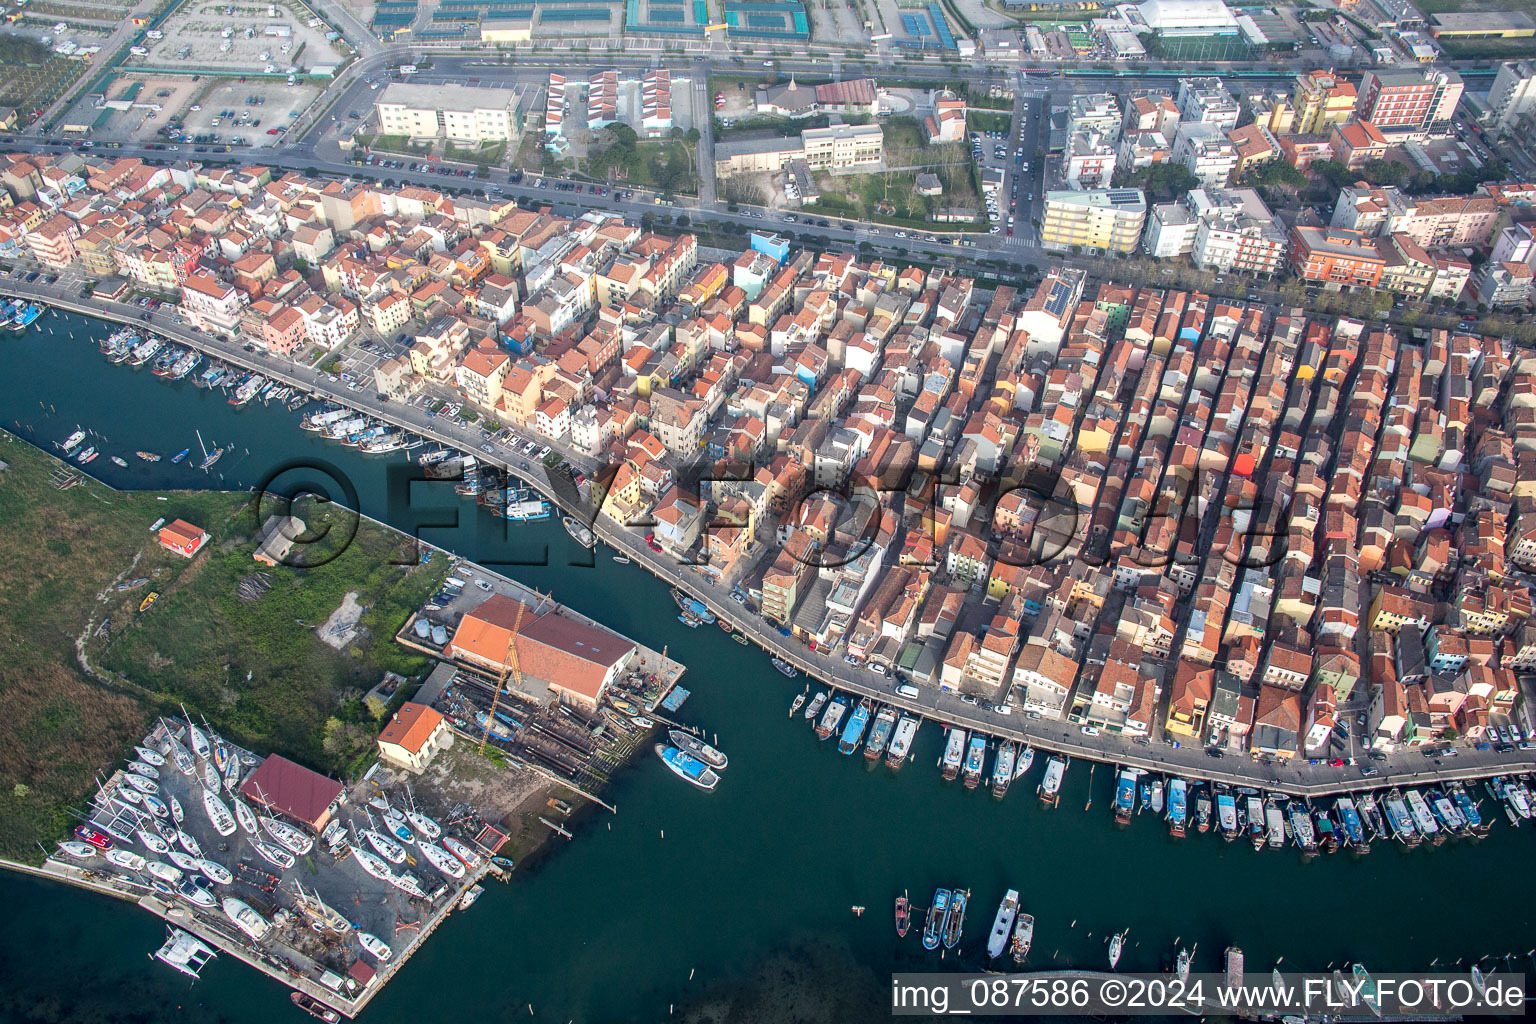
(735, 904)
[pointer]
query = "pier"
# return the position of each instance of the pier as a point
(1295, 778)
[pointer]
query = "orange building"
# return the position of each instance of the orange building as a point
(183, 538)
(1336, 256)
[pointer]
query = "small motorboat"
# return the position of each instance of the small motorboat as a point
(903, 906)
(798, 703)
(1023, 937)
(376, 947)
(125, 859)
(196, 892)
(246, 919)
(163, 871)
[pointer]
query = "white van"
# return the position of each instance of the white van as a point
(908, 691)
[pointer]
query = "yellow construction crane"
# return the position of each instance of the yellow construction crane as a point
(509, 667)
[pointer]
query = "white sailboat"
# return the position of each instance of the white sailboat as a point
(291, 837)
(163, 871)
(153, 842)
(177, 814)
(386, 847)
(1116, 947)
(246, 816)
(185, 861)
(218, 813)
(441, 859)
(150, 757)
(216, 872)
(149, 771)
(189, 843)
(199, 741)
(373, 864)
(185, 952)
(274, 854)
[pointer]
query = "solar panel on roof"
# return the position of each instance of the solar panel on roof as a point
(1056, 302)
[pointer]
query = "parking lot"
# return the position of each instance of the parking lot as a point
(246, 38)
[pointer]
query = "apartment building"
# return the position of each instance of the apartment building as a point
(212, 305)
(458, 113)
(1207, 100)
(1089, 160)
(1336, 256)
(1322, 99)
(1408, 102)
(1431, 221)
(1513, 92)
(1204, 149)
(1098, 220)
(1219, 229)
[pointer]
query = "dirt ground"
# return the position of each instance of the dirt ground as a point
(161, 97)
(508, 796)
(341, 627)
(195, 36)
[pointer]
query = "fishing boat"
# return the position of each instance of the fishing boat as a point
(938, 910)
(831, 717)
(1226, 814)
(1256, 826)
(314, 1007)
(903, 915)
(901, 741)
(798, 702)
(242, 916)
(1274, 824)
(1202, 810)
(291, 837)
(1423, 818)
(785, 668)
(817, 702)
(216, 872)
(180, 455)
(1125, 795)
(880, 733)
(1182, 964)
(1002, 924)
(853, 730)
(218, 813)
(1327, 832)
(954, 753)
(1367, 989)
(247, 389)
(493, 727)
(1349, 821)
(1399, 820)
(579, 533)
(1023, 937)
(1178, 807)
(185, 952)
(1116, 947)
(698, 748)
(441, 859)
(27, 317)
(954, 920)
(1002, 768)
(144, 351)
(975, 761)
(1157, 794)
(1468, 808)
(1301, 828)
(687, 767)
(1050, 784)
(148, 456)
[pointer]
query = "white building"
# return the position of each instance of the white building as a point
(1089, 160)
(1183, 17)
(1234, 230)
(459, 113)
(1097, 112)
(1206, 151)
(1207, 100)
(1513, 92)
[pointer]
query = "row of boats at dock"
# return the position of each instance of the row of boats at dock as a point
(1351, 821)
(18, 314)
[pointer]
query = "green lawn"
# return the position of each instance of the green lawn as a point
(986, 121)
(256, 670)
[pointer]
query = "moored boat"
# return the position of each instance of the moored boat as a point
(901, 741)
(1050, 783)
(1002, 924)
(314, 1007)
(832, 717)
(785, 668)
(690, 743)
(938, 910)
(880, 733)
(975, 760)
(687, 767)
(1023, 937)
(816, 704)
(954, 753)
(903, 915)
(1178, 809)
(1002, 768)
(853, 730)
(954, 920)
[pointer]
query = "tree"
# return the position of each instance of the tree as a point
(1279, 174)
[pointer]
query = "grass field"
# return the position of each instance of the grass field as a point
(257, 671)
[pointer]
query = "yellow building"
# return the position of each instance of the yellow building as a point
(1106, 220)
(1322, 100)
